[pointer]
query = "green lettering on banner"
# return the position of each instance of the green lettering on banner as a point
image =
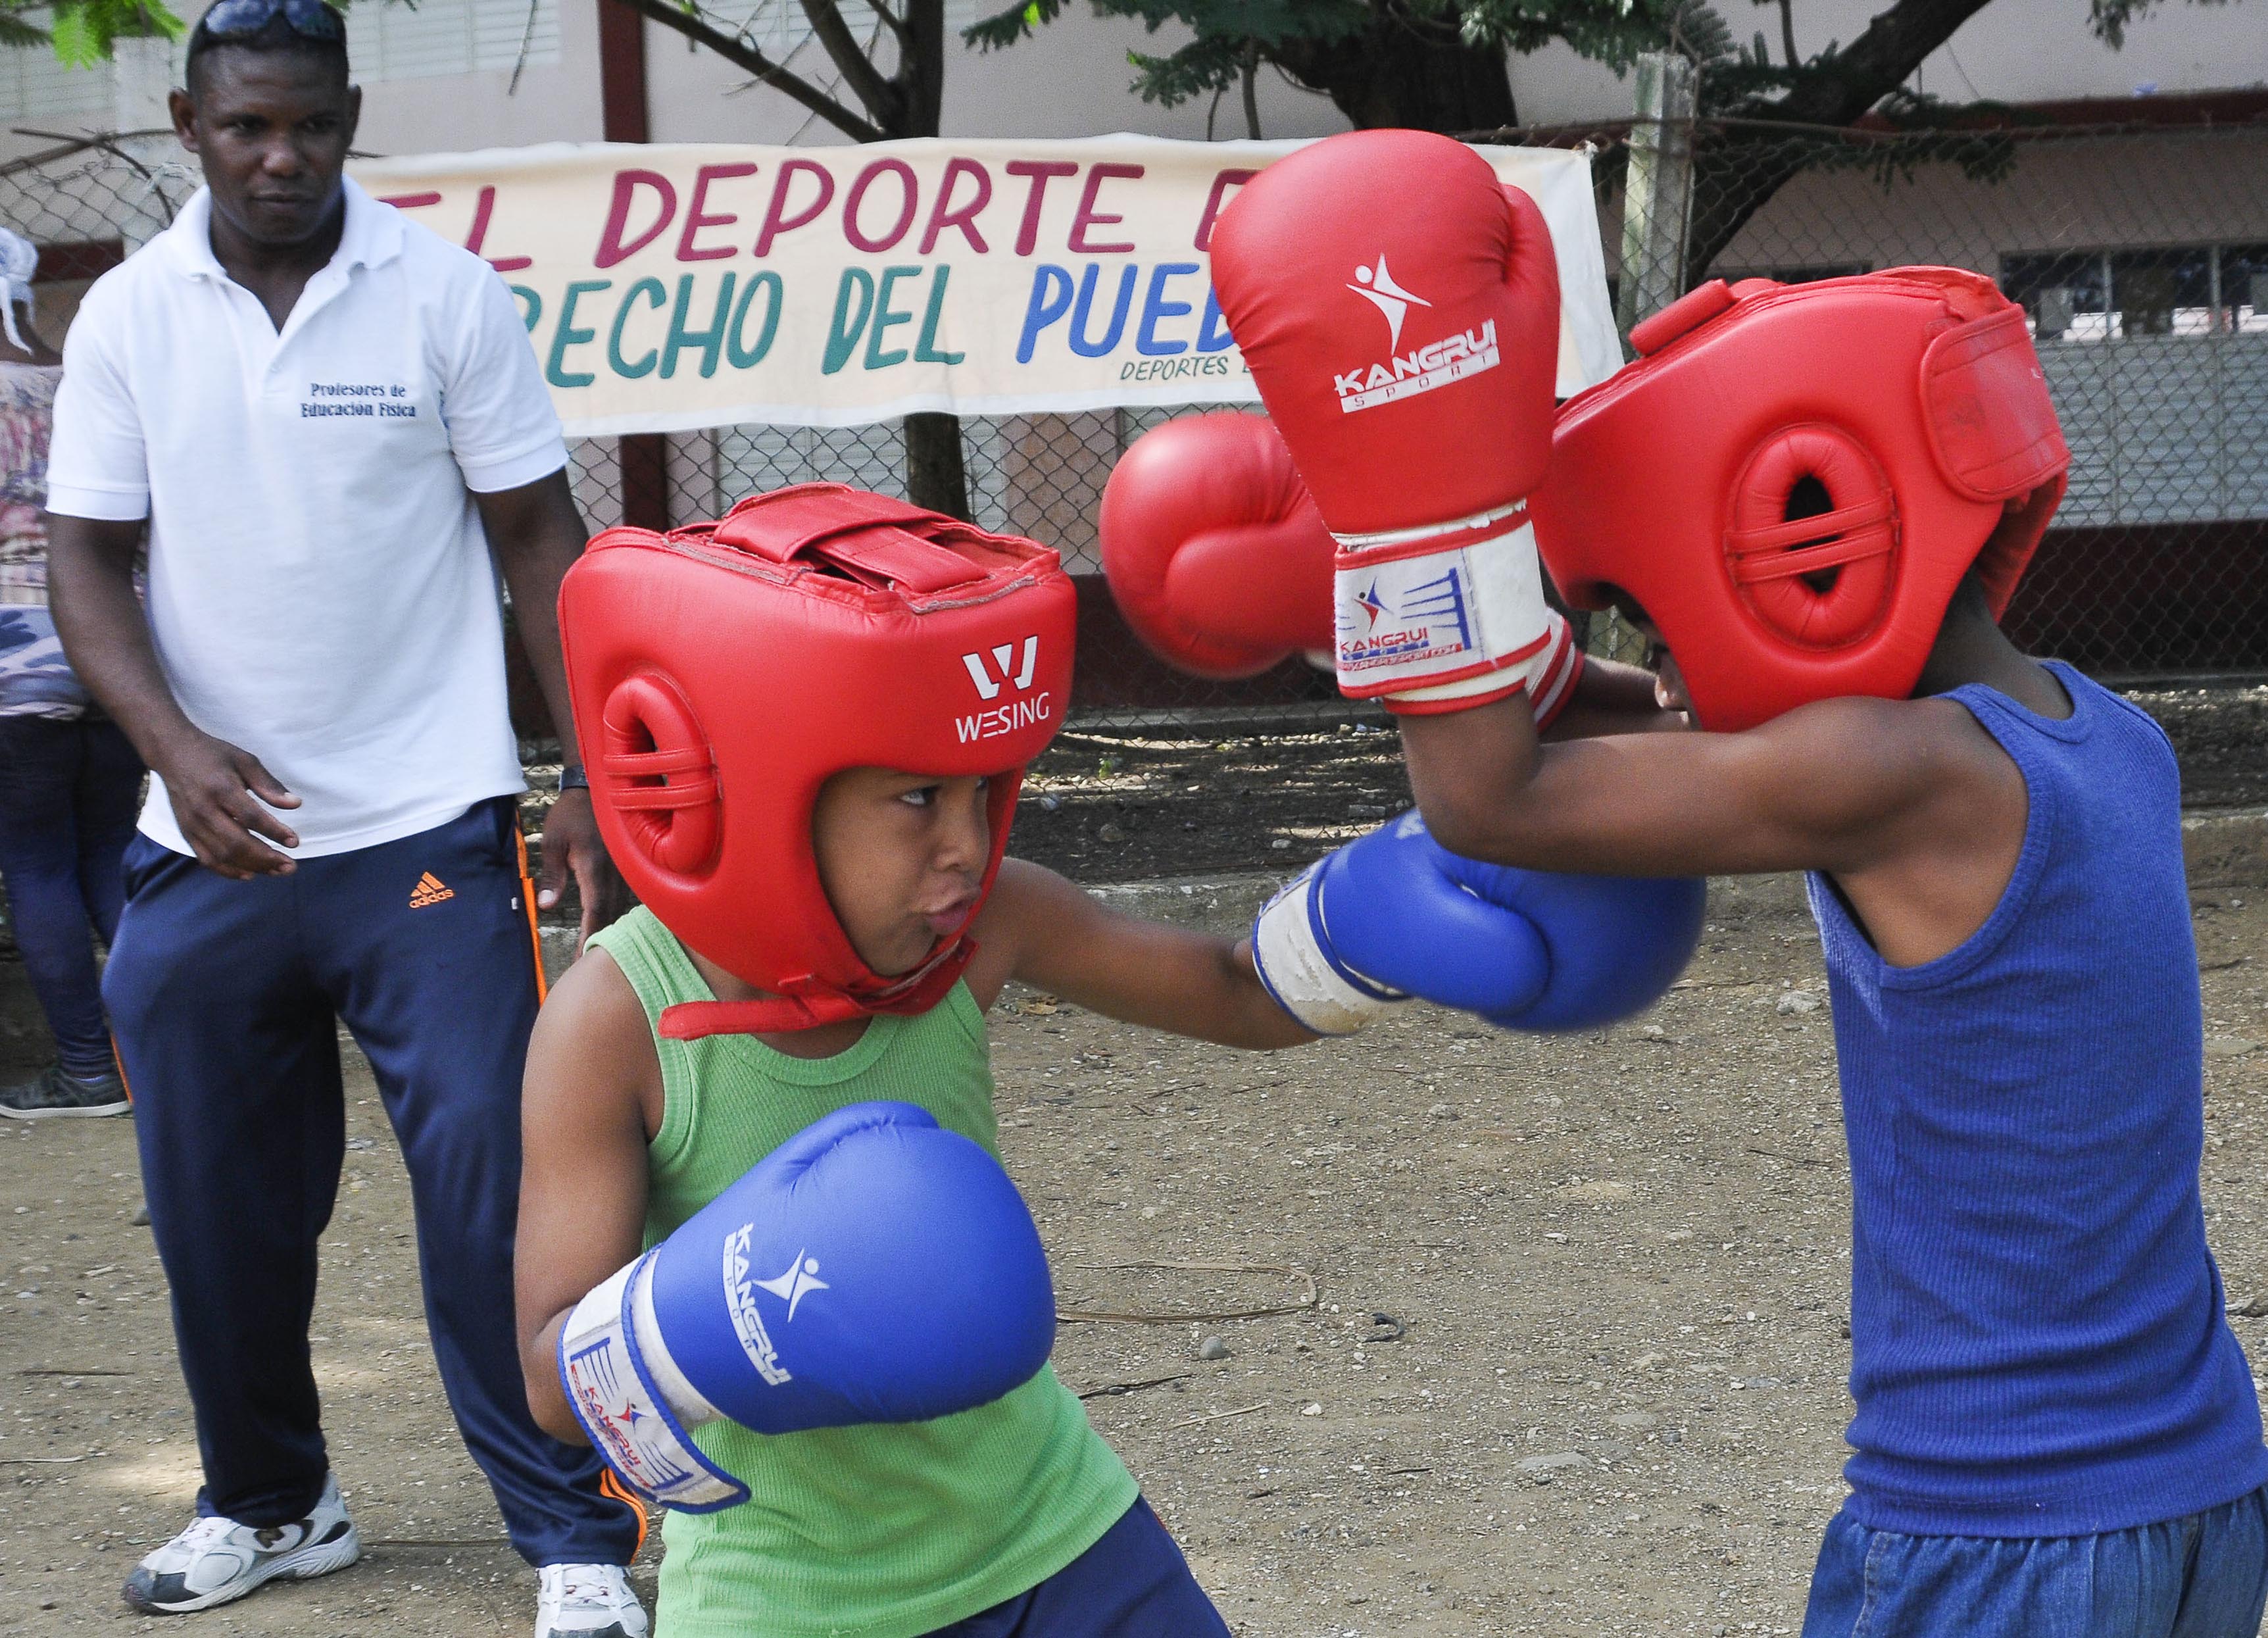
(531, 305)
(926, 348)
(656, 295)
(748, 358)
(842, 330)
(884, 317)
(554, 370)
(711, 341)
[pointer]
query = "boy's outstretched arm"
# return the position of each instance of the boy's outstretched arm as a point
(583, 1168)
(1039, 928)
(1843, 785)
(1611, 698)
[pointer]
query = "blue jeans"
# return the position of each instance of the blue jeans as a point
(2202, 1576)
(68, 792)
(1133, 1583)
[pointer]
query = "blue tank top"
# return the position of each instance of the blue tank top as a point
(2036, 1333)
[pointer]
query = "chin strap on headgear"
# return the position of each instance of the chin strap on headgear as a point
(723, 672)
(1791, 480)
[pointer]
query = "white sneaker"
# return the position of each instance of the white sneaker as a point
(217, 1560)
(587, 1601)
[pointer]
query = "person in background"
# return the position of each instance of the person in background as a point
(70, 781)
(330, 424)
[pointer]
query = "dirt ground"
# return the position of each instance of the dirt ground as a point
(1574, 1362)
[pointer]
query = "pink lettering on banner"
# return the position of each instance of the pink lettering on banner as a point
(777, 218)
(1089, 217)
(943, 214)
(1216, 202)
(907, 190)
(698, 216)
(613, 247)
(1039, 172)
(484, 210)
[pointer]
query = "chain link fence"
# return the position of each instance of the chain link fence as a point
(2140, 253)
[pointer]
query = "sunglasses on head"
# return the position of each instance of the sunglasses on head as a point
(240, 20)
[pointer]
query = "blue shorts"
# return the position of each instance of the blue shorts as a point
(1132, 1584)
(2202, 1576)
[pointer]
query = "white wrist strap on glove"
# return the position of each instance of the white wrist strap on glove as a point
(1450, 607)
(632, 1400)
(1290, 950)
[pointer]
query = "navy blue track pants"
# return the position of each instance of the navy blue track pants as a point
(225, 998)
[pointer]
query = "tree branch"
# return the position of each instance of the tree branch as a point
(896, 23)
(742, 55)
(883, 103)
(1836, 90)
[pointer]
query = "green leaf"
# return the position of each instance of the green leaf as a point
(79, 41)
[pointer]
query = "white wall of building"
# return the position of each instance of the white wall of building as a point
(2012, 51)
(555, 101)
(1069, 79)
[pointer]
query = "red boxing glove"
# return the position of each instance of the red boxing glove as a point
(1214, 553)
(1219, 562)
(1399, 309)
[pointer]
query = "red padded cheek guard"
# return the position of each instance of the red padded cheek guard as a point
(722, 674)
(1791, 480)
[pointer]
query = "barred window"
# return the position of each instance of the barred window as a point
(386, 40)
(779, 29)
(2175, 289)
(37, 90)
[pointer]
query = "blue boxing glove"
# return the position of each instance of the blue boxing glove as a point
(873, 1268)
(1395, 914)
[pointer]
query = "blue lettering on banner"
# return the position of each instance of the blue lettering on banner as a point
(1067, 299)
(1174, 369)
(1155, 307)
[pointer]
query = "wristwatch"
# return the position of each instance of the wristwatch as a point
(571, 777)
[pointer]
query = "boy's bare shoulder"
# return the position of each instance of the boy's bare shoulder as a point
(592, 1034)
(1858, 732)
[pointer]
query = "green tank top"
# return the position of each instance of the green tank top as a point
(883, 1532)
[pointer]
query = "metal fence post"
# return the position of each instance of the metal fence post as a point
(1658, 198)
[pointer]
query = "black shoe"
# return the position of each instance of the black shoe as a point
(57, 1093)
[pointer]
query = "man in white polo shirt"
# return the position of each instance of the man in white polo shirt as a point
(333, 423)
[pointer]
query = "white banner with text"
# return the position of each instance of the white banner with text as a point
(673, 287)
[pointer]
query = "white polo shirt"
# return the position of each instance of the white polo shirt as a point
(321, 591)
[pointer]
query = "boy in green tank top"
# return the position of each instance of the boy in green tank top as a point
(970, 1524)
(821, 930)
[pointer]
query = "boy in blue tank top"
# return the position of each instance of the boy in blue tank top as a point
(1818, 498)
(2056, 1434)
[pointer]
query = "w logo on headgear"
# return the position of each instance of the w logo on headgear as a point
(1003, 657)
(1378, 289)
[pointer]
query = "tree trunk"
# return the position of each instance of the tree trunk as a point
(935, 477)
(1737, 170)
(1407, 70)
(1735, 174)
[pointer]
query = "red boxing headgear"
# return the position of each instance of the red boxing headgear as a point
(723, 672)
(1792, 479)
